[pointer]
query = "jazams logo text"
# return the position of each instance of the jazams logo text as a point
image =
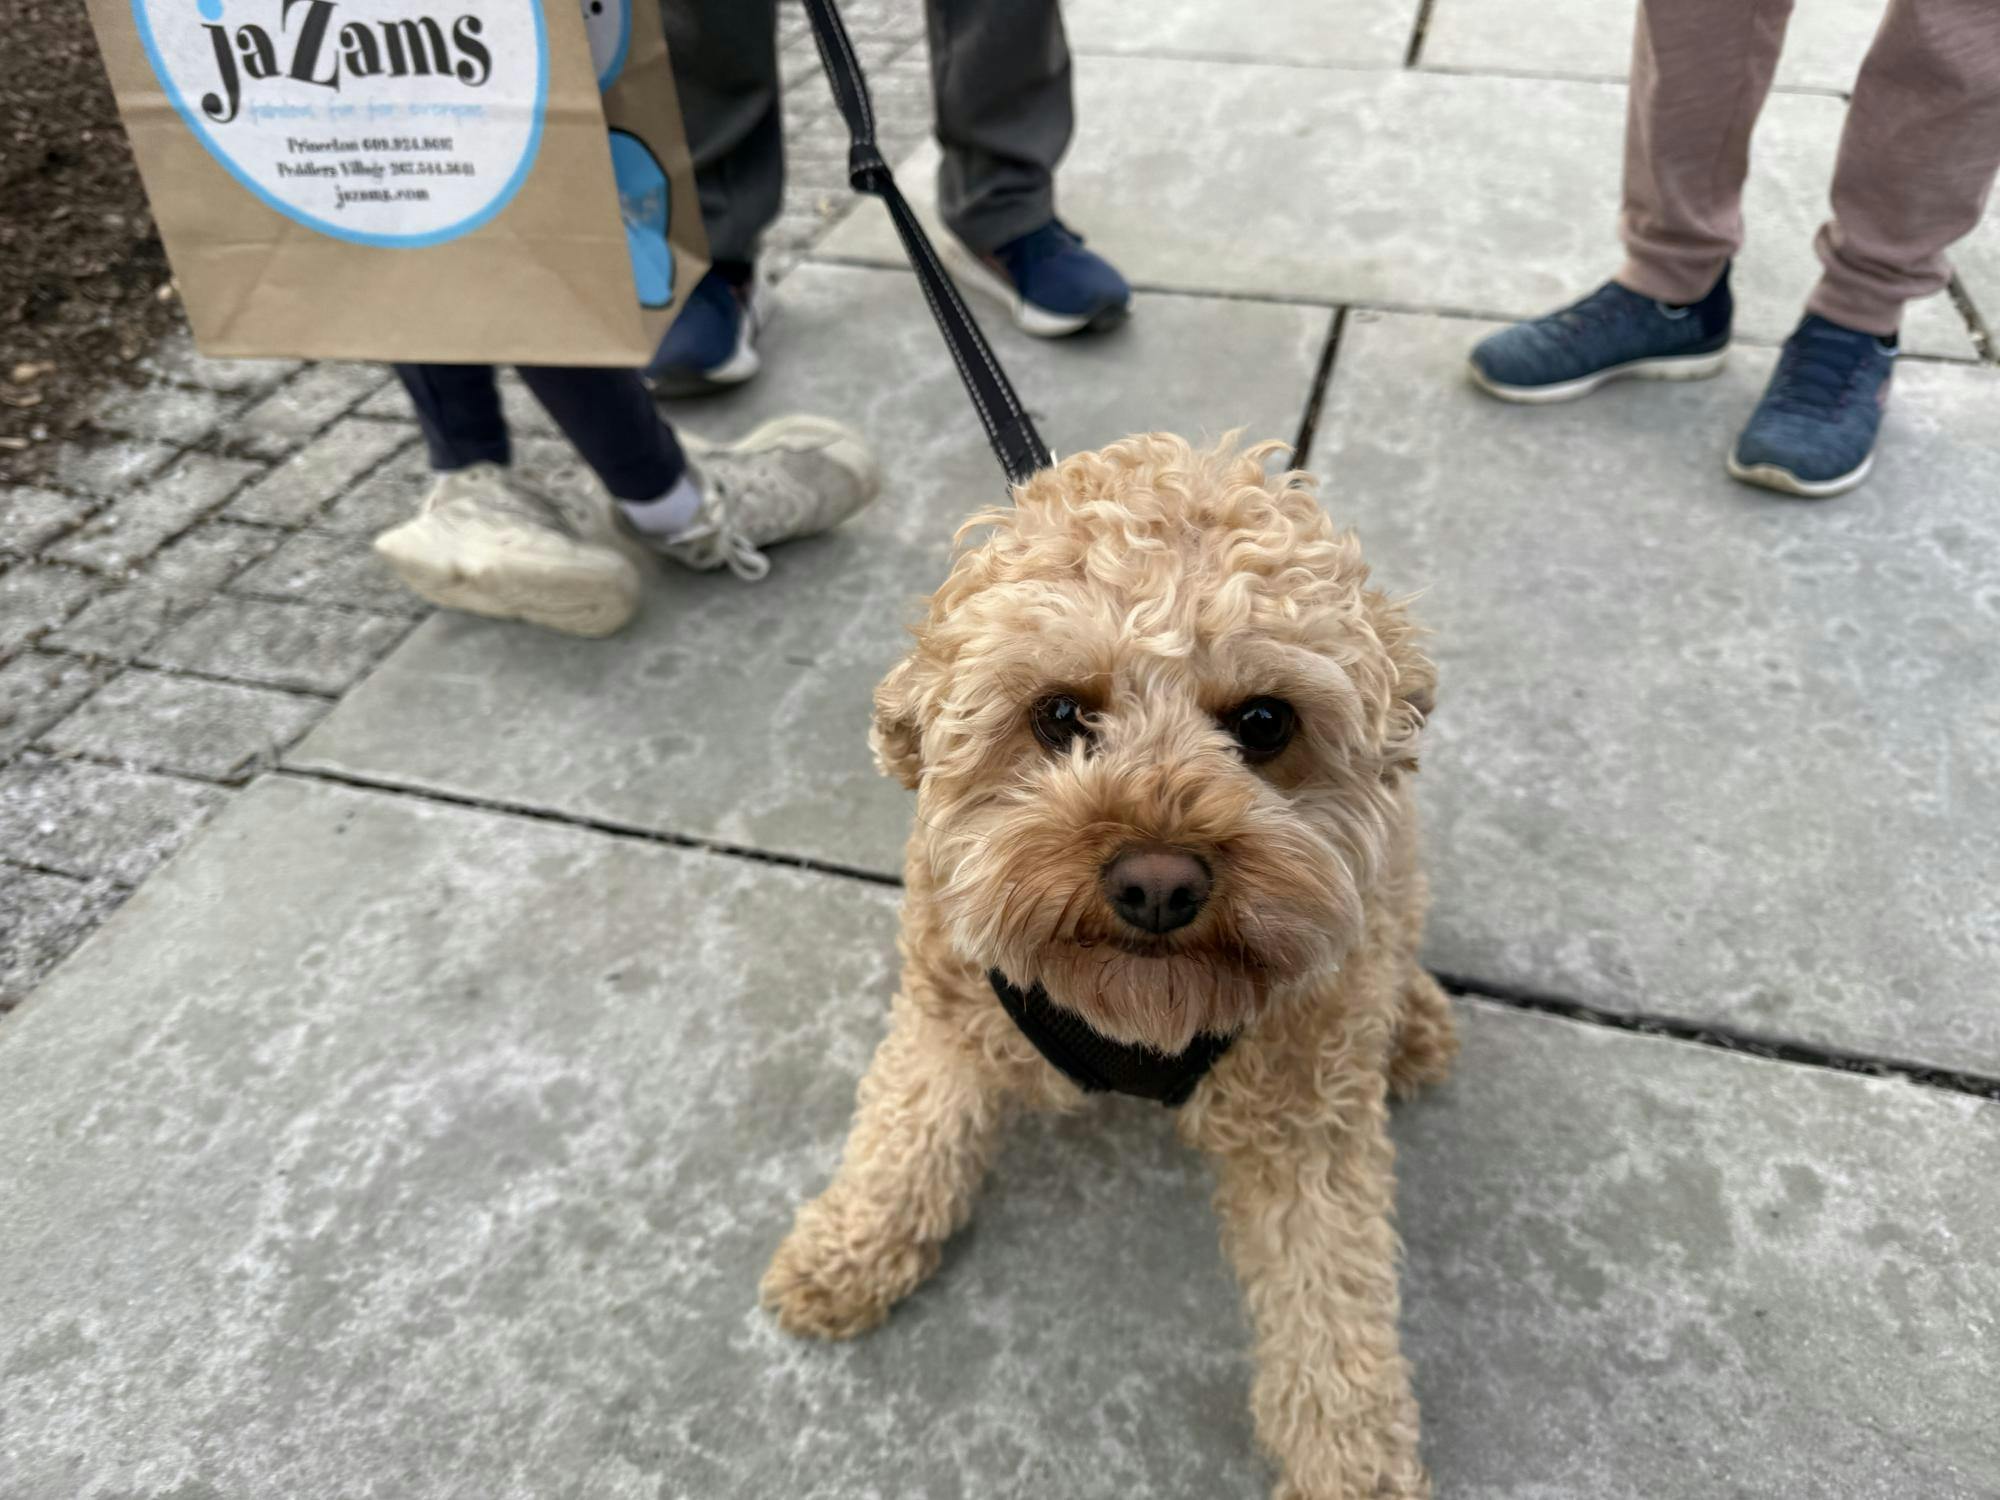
(312, 45)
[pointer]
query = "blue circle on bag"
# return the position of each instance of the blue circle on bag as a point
(645, 204)
(380, 122)
(609, 25)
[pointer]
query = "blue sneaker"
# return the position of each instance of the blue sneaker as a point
(712, 345)
(1048, 282)
(1814, 432)
(1612, 334)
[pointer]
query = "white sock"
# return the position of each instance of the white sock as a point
(668, 516)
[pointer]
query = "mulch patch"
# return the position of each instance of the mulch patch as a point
(81, 268)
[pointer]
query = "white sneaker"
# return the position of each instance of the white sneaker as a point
(484, 543)
(792, 477)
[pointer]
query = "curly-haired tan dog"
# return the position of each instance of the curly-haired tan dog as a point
(1161, 734)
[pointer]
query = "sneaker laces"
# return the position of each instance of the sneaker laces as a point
(1814, 372)
(718, 537)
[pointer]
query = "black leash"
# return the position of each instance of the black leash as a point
(1092, 1061)
(1018, 446)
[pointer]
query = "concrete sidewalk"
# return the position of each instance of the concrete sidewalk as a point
(422, 1127)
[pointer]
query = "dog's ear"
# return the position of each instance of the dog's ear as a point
(897, 736)
(1413, 697)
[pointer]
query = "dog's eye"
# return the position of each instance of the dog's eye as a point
(1263, 726)
(1058, 721)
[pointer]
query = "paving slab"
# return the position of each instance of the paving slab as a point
(34, 600)
(305, 647)
(183, 725)
(172, 414)
(42, 914)
(36, 690)
(741, 713)
(323, 567)
(1367, 33)
(72, 817)
(30, 517)
(1699, 749)
(290, 493)
(303, 405)
(1397, 189)
(175, 358)
(127, 533)
(378, 1147)
(123, 622)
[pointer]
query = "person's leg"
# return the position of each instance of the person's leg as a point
(1700, 72)
(458, 410)
(725, 58)
(1000, 81)
(612, 423)
(1000, 78)
(1917, 161)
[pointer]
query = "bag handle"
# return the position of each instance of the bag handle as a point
(1015, 442)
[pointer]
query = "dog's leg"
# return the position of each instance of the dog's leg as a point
(929, 1109)
(1305, 1189)
(1427, 1037)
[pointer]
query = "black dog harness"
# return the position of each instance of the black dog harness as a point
(1095, 1063)
(1092, 1061)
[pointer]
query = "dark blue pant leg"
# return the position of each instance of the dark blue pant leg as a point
(609, 417)
(458, 408)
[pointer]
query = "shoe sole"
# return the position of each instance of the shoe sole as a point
(583, 596)
(1772, 477)
(972, 272)
(1668, 367)
(732, 372)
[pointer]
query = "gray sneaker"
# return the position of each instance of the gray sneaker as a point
(792, 477)
(483, 542)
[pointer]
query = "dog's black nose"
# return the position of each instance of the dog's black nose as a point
(1155, 889)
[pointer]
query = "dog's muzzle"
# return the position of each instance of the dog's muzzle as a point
(1095, 1063)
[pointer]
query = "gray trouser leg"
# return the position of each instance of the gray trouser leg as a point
(725, 55)
(1000, 73)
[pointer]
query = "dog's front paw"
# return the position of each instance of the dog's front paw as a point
(831, 1283)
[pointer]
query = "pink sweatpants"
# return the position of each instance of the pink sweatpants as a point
(1917, 156)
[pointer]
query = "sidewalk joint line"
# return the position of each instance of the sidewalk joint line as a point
(611, 826)
(1607, 80)
(139, 661)
(1322, 377)
(1722, 1037)
(149, 768)
(1417, 34)
(57, 872)
(1346, 304)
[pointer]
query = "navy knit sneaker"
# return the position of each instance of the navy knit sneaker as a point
(1048, 282)
(1611, 334)
(712, 345)
(1814, 432)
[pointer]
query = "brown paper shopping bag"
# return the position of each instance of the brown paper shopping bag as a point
(435, 180)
